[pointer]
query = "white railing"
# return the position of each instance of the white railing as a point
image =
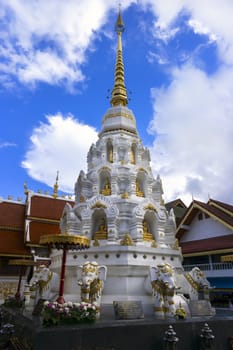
(210, 267)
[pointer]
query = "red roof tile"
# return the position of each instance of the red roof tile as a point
(38, 229)
(215, 243)
(12, 242)
(47, 207)
(12, 214)
(221, 205)
(225, 217)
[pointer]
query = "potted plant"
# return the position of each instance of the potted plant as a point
(180, 312)
(54, 314)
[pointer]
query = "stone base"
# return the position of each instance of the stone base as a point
(144, 334)
(201, 308)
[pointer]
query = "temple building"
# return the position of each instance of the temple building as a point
(21, 225)
(205, 234)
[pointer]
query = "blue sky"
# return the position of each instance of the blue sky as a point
(57, 67)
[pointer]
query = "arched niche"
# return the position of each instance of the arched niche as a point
(99, 225)
(105, 183)
(140, 184)
(122, 153)
(149, 224)
(133, 153)
(109, 151)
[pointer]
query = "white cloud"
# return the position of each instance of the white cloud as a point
(7, 144)
(212, 18)
(193, 115)
(60, 144)
(166, 10)
(193, 122)
(48, 40)
(42, 41)
(198, 28)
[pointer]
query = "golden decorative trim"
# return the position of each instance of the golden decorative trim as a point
(150, 207)
(44, 285)
(120, 114)
(99, 204)
(11, 228)
(95, 289)
(89, 267)
(157, 308)
(127, 240)
(23, 262)
(130, 131)
(65, 239)
(141, 169)
(227, 258)
(16, 255)
(191, 281)
(148, 237)
(105, 168)
(176, 245)
(207, 252)
(82, 199)
(45, 220)
(212, 203)
(100, 235)
(34, 245)
(96, 243)
(125, 195)
(154, 244)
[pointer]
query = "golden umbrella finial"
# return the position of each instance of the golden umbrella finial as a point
(65, 242)
(119, 94)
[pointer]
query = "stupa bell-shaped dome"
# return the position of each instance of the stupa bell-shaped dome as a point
(119, 118)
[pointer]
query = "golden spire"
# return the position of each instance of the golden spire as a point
(55, 187)
(119, 94)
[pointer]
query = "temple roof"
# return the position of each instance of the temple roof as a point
(12, 214)
(12, 219)
(219, 211)
(205, 246)
(46, 207)
(42, 211)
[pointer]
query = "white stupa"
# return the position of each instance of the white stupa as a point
(119, 205)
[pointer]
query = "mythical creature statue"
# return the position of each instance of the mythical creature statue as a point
(194, 284)
(92, 282)
(44, 284)
(163, 290)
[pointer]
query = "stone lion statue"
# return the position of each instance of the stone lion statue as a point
(44, 284)
(91, 281)
(163, 290)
